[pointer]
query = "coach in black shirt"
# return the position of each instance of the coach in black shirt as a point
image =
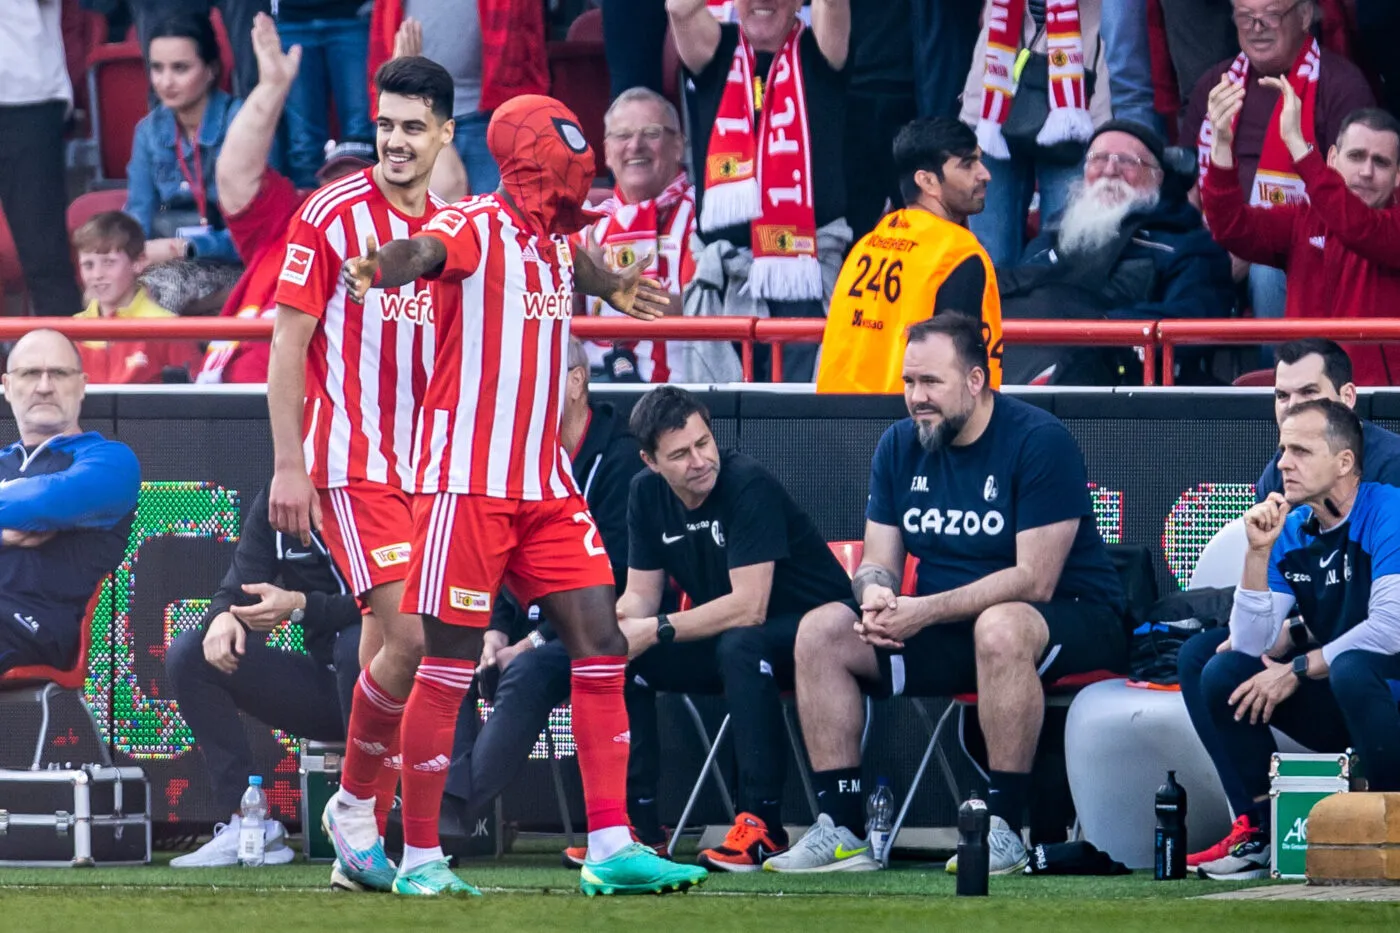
(752, 563)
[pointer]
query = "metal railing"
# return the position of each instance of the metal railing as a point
(1153, 338)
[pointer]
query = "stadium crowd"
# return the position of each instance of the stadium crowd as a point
(1102, 133)
(650, 559)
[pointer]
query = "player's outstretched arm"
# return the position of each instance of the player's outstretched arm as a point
(627, 291)
(397, 263)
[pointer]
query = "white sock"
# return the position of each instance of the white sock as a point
(605, 843)
(414, 856)
(347, 799)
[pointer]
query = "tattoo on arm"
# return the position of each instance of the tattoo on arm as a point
(589, 279)
(402, 261)
(871, 574)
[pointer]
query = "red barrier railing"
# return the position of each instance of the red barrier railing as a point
(1151, 337)
(1178, 333)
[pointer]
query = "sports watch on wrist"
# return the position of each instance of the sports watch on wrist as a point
(298, 613)
(1300, 667)
(665, 631)
(535, 639)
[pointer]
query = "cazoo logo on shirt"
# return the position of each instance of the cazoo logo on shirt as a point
(954, 522)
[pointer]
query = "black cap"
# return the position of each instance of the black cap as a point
(1143, 134)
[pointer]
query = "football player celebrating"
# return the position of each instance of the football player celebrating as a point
(346, 377)
(498, 502)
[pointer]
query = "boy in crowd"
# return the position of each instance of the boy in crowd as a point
(109, 248)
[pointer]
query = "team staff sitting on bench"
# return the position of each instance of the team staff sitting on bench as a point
(1308, 369)
(1014, 587)
(1329, 547)
(227, 666)
(752, 563)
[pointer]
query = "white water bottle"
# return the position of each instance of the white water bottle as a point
(252, 812)
(879, 812)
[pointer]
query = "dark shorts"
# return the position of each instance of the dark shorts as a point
(28, 638)
(941, 660)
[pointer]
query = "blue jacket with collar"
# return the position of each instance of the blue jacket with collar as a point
(83, 488)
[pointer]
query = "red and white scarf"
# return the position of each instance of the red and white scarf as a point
(662, 226)
(1275, 181)
(722, 10)
(1069, 118)
(764, 178)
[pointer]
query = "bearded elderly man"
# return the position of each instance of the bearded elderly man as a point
(1129, 247)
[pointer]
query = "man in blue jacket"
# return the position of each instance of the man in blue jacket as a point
(67, 499)
(1129, 247)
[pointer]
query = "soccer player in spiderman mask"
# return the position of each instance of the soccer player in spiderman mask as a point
(497, 500)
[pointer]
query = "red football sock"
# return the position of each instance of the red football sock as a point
(602, 736)
(374, 724)
(387, 783)
(429, 722)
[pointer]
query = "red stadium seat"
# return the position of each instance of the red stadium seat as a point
(94, 202)
(586, 27)
(45, 686)
(848, 553)
(70, 678)
(1255, 377)
(117, 87)
(578, 76)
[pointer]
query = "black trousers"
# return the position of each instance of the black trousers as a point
(749, 667)
(487, 756)
(291, 692)
(238, 22)
(1377, 24)
(34, 195)
(633, 31)
(870, 174)
(1352, 707)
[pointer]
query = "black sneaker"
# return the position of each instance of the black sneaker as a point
(1248, 860)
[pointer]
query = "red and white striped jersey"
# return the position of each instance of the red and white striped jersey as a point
(504, 299)
(368, 364)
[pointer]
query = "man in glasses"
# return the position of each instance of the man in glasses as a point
(1129, 247)
(67, 498)
(650, 218)
(1275, 42)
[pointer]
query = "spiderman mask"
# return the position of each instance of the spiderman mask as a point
(546, 164)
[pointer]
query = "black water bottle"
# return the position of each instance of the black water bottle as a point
(1169, 846)
(973, 823)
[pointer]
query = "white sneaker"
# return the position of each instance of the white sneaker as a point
(825, 847)
(1006, 853)
(222, 850)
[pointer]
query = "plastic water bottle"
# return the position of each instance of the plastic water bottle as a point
(974, 858)
(879, 818)
(1169, 843)
(252, 812)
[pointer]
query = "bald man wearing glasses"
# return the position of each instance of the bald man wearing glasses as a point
(67, 499)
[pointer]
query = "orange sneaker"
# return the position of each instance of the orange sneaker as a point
(746, 847)
(574, 856)
(1240, 831)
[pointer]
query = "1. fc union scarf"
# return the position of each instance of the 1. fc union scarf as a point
(1068, 120)
(763, 177)
(1275, 181)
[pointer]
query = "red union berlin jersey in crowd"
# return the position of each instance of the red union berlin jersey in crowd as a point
(368, 364)
(504, 300)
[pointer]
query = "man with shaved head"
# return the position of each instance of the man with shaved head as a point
(67, 498)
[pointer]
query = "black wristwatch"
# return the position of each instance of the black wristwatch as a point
(1300, 667)
(665, 631)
